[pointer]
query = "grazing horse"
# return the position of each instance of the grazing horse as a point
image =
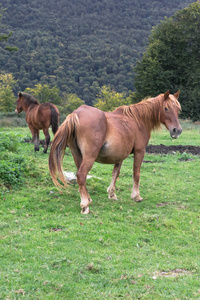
(110, 137)
(38, 116)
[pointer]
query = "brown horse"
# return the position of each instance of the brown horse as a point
(38, 116)
(110, 137)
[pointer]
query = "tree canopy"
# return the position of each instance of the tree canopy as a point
(7, 98)
(80, 46)
(70, 102)
(108, 99)
(4, 37)
(44, 93)
(172, 60)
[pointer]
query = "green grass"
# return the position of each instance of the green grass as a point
(122, 250)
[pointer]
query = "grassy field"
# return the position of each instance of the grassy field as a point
(122, 250)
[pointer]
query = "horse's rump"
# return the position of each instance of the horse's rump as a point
(47, 114)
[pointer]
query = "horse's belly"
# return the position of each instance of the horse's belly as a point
(111, 155)
(106, 160)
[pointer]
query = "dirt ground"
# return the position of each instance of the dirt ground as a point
(162, 149)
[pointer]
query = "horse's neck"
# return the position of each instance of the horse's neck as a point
(148, 113)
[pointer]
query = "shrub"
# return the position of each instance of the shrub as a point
(9, 141)
(12, 170)
(12, 165)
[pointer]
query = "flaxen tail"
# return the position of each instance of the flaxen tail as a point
(61, 139)
(54, 119)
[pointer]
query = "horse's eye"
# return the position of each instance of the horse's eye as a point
(166, 109)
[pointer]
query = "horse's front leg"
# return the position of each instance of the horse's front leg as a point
(47, 139)
(115, 174)
(138, 158)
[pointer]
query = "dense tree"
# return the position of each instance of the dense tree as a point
(108, 99)
(80, 46)
(4, 37)
(44, 93)
(7, 98)
(172, 60)
(69, 103)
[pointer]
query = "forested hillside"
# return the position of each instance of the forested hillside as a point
(80, 45)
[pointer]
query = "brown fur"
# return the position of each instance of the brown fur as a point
(110, 137)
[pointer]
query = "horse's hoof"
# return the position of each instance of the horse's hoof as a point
(85, 210)
(138, 199)
(113, 197)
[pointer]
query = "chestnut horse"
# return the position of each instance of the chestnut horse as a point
(110, 137)
(38, 116)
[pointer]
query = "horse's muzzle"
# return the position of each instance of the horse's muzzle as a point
(175, 132)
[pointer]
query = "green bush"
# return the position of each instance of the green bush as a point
(12, 165)
(9, 141)
(12, 171)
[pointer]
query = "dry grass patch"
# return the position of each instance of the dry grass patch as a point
(172, 273)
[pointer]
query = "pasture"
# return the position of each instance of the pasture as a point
(122, 249)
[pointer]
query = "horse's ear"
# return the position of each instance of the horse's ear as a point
(176, 95)
(20, 95)
(166, 95)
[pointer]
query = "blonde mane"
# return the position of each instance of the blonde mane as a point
(149, 110)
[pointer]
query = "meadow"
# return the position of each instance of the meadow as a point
(122, 249)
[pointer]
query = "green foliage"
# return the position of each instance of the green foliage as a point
(80, 46)
(9, 141)
(12, 165)
(172, 62)
(184, 156)
(12, 169)
(108, 99)
(7, 98)
(69, 103)
(44, 93)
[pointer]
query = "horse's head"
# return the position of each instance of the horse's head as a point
(169, 115)
(19, 107)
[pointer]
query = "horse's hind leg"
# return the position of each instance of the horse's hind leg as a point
(35, 136)
(81, 174)
(115, 174)
(36, 140)
(76, 154)
(47, 139)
